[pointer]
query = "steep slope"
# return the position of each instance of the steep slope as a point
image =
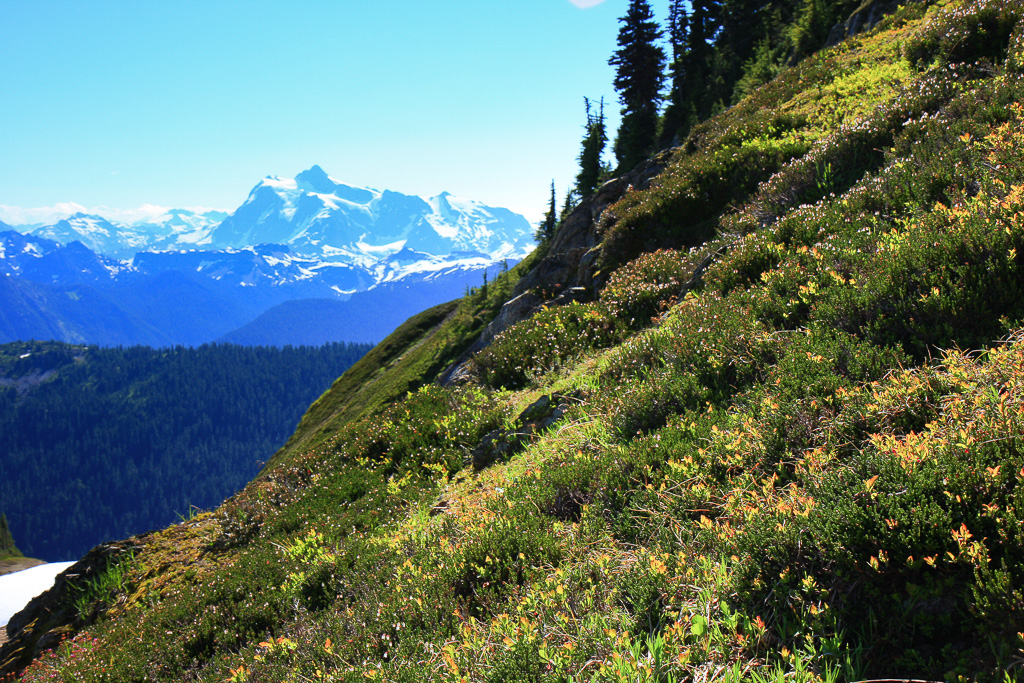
(747, 448)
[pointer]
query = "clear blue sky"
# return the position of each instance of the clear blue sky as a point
(189, 103)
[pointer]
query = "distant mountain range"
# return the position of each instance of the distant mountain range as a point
(188, 277)
(177, 229)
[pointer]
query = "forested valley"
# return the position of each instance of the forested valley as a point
(101, 443)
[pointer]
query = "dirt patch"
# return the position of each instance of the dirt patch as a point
(10, 565)
(3, 635)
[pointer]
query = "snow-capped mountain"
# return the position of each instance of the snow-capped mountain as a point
(43, 260)
(262, 265)
(191, 277)
(181, 229)
(315, 217)
(316, 214)
(97, 233)
(176, 229)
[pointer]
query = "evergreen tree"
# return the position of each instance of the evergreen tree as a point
(571, 200)
(639, 63)
(546, 229)
(7, 547)
(810, 29)
(696, 67)
(594, 141)
(674, 120)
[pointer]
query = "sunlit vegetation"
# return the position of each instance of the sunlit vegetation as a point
(791, 449)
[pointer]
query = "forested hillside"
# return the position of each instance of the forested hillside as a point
(752, 412)
(100, 443)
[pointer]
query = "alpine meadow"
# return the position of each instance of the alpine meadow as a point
(753, 410)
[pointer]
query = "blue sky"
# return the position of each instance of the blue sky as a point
(112, 105)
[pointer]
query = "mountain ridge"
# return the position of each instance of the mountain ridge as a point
(314, 214)
(309, 237)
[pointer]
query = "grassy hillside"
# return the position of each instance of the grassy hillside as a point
(408, 358)
(782, 443)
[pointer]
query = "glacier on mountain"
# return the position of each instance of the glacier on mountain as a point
(318, 215)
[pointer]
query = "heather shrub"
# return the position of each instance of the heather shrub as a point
(645, 287)
(704, 354)
(680, 209)
(1015, 52)
(545, 341)
(965, 32)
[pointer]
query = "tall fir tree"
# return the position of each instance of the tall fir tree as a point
(639, 73)
(546, 229)
(674, 120)
(594, 141)
(697, 61)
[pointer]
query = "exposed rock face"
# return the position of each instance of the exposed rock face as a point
(51, 617)
(567, 272)
(863, 18)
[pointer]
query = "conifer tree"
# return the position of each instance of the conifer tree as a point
(639, 63)
(697, 61)
(594, 141)
(675, 116)
(810, 29)
(571, 200)
(546, 229)
(7, 547)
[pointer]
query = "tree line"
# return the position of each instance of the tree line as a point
(102, 443)
(709, 55)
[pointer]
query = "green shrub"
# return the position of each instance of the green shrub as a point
(520, 664)
(507, 553)
(965, 31)
(643, 288)
(708, 351)
(545, 341)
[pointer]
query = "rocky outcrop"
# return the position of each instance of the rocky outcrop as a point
(863, 18)
(567, 271)
(51, 617)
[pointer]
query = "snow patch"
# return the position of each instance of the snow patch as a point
(17, 589)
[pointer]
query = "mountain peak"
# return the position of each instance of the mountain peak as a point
(315, 170)
(317, 180)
